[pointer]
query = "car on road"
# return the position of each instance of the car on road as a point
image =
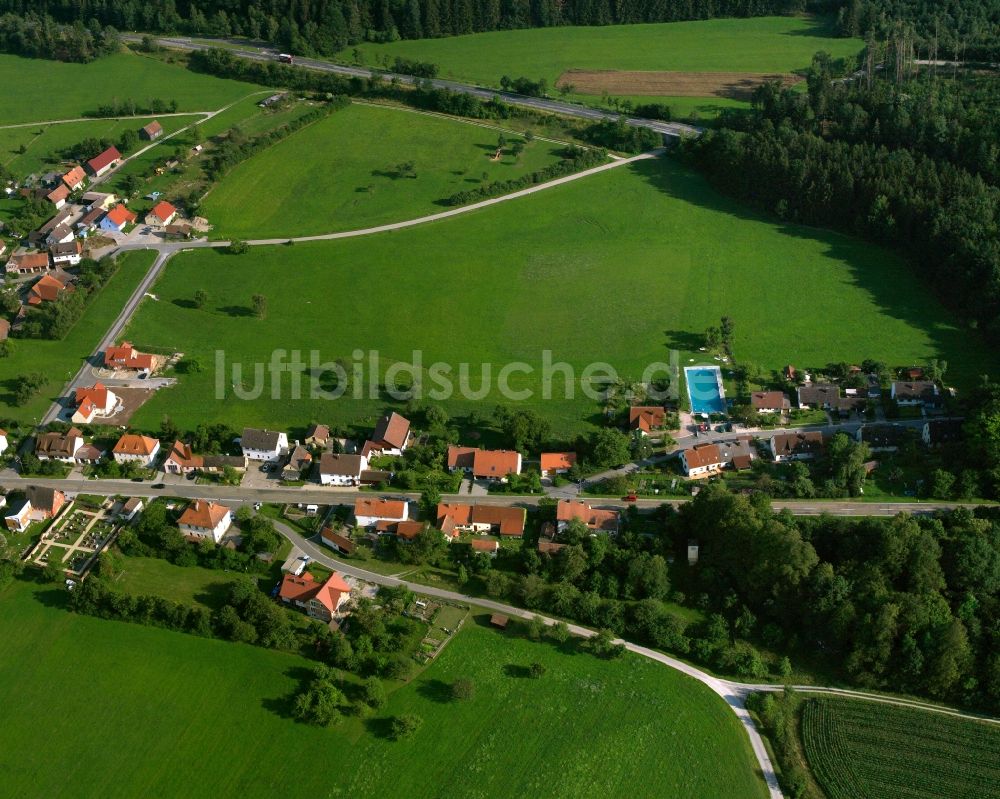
(159, 485)
(631, 498)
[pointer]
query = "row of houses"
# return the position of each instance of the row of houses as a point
(830, 397)
(69, 447)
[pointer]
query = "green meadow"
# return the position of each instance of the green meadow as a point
(146, 712)
(342, 173)
(621, 267)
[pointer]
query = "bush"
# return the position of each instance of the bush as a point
(463, 689)
(536, 670)
(404, 726)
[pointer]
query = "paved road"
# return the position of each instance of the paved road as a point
(673, 129)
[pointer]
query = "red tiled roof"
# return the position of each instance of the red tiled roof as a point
(203, 514)
(768, 399)
(305, 588)
(120, 215)
(646, 417)
(393, 430)
(461, 457)
(153, 128)
(28, 260)
(60, 192)
(485, 545)
(495, 463)
(96, 394)
(126, 356)
(182, 455)
(74, 177)
(551, 461)
(45, 289)
(594, 518)
(510, 521)
(163, 210)
(132, 444)
(97, 163)
(382, 508)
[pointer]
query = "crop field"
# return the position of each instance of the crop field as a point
(125, 689)
(857, 748)
(343, 173)
(760, 44)
(35, 89)
(59, 360)
(621, 267)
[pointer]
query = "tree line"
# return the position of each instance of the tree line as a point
(27, 33)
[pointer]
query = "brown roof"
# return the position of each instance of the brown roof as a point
(551, 461)
(499, 620)
(45, 289)
(819, 394)
(47, 499)
(319, 432)
(407, 530)
(153, 128)
(384, 508)
(646, 417)
(346, 465)
(768, 399)
(28, 260)
(915, 389)
(344, 543)
(393, 430)
(485, 544)
(60, 444)
(203, 514)
(548, 546)
(132, 444)
(305, 588)
(594, 518)
(702, 455)
(796, 443)
(4, 329)
(60, 192)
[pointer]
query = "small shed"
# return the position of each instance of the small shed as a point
(499, 620)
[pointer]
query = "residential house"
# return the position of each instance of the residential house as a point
(596, 519)
(46, 289)
(203, 520)
(263, 445)
(298, 461)
(557, 463)
(212, 464)
(163, 213)
(882, 437)
(182, 460)
(28, 263)
(47, 233)
(117, 219)
(488, 545)
(915, 392)
(703, 460)
(320, 600)
(390, 437)
(818, 395)
(368, 512)
(178, 230)
(131, 509)
(318, 435)
(68, 254)
(341, 470)
(737, 453)
(151, 131)
(45, 502)
(93, 401)
(73, 180)
(454, 518)
(132, 448)
(125, 356)
(403, 531)
(646, 418)
(18, 517)
(796, 446)
(335, 540)
(58, 446)
(88, 455)
(87, 223)
(769, 401)
(104, 163)
(943, 431)
(61, 234)
(99, 200)
(484, 464)
(58, 196)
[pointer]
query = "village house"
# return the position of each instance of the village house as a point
(182, 460)
(163, 213)
(58, 196)
(131, 509)
(368, 512)
(53, 231)
(769, 401)
(263, 445)
(336, 541)
(737, 453)
(882, 437)
(178, 230)
(318, 435)
(454, 518)
(646, 418)
(341, 470)
(88, 454)
(298, 461)
(45, 502)
(151, 131)
(556, 463)
(212, 464)
(87, 223)
(390, 437)
(942, 431)
(28, 263)
(320, 600)
(117, 219)
(93, 401)
(596, 519)
(68, 254)
(132, 448)
(205, 520)
(18, 517)
(486, 545)
(73, 180)
(796, 446)
(46, 289)
(405, 531)
(102, 164)
(704, 460)
(58, 446)
(125, 356)
(915, 392)
(485, 464)
(818, 395)
(99, 200)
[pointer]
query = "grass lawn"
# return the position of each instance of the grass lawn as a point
(35, 89)
(125, 689)
(187, 584)
(857, 748)
(59, 360)
(340, 173)
(760, 44)
(620, 267)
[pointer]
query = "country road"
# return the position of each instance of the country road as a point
(673, 129)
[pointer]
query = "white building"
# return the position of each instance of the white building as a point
(205, 520)
(341, 470)
(369, 512)
(263, 445)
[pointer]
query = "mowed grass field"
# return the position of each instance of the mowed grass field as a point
(857, 748)
(147, 712)
(35, 89)
(340, 173)
(59, 360)
(621, 267)
(759, 44)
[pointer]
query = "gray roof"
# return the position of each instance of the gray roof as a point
(221, 461)
(253, 438)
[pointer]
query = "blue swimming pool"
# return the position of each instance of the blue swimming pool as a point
(705, 389)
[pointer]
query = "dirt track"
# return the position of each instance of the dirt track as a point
(735, 85)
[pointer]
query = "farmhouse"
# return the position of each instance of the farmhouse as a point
(915, 392)
(117, 219)
(597, 520)
(205, 520)
(73, 180)
(320, 600)
(125, 356)
(557, 462)
(484, 463)
(368, 512)
(151, 131)
(882, 437)
(58, 196)
(46, 289)
(93, 401)
(769, 401)
(132, 448)
(104, 163)
(163, 213)
(796, 446)
(336, 541)
(390, 437)
(942, 431)
(646, 418)
(703, 460)
(341, 470)
(99, 200)
(263, 445)
(454, 518)
(67, 254)
(28, 263)
(58, 446)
